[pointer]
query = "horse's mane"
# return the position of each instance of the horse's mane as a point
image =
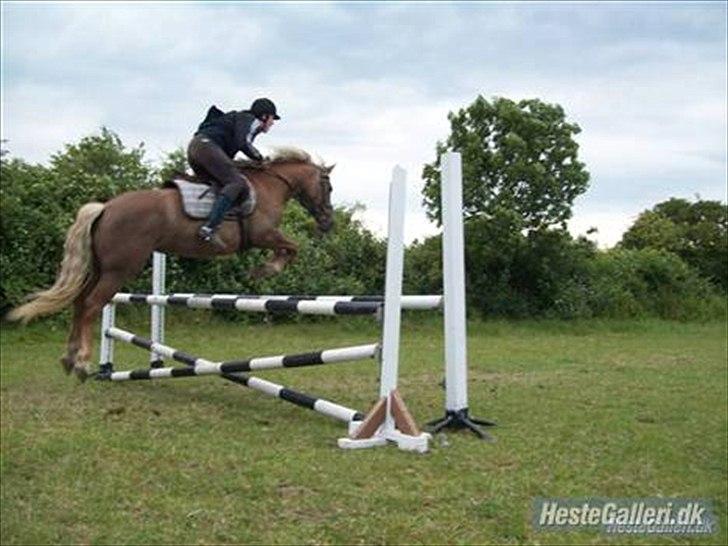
(283, 154)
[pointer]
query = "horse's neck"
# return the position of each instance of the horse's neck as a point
(276, 189)
(288, 181)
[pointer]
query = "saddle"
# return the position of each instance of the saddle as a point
(197, 200)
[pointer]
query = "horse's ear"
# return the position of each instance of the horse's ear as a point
(329, 168)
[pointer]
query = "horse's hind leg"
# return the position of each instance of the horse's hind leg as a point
(114, 269)
(86, 311)
(74, 342)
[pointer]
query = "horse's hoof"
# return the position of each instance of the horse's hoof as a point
(82, 371)
(67, 364)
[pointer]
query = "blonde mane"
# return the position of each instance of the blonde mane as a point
(285, 154)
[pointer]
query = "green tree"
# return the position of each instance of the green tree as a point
(697, 232)
(517, 156)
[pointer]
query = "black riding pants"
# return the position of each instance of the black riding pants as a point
(209, 161)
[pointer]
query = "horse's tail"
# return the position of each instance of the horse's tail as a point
(75, 272)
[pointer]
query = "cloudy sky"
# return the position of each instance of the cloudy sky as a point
(369, 85)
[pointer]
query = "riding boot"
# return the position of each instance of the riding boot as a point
(221, 205)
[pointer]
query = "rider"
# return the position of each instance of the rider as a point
(210, 154)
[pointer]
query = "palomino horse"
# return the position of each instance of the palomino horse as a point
(109, 244)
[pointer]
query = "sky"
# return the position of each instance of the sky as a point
(368, 85)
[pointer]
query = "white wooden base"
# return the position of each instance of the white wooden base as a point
(388, 421)
(405, 442)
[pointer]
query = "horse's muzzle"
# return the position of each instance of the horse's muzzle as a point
(324, 222)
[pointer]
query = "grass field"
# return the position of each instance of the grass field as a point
(606, 409)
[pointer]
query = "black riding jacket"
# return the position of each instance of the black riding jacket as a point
(232, 131)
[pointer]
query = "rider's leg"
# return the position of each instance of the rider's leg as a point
(204, 154)
(229, 194)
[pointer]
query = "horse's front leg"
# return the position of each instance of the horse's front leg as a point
(284, 252)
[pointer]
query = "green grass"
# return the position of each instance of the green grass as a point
(608, 409)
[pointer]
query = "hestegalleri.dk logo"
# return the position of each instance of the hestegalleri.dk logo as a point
(647, 516)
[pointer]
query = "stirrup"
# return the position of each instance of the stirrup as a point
(209, 236)
(206, 233)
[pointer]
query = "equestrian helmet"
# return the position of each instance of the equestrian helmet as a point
(264, 107)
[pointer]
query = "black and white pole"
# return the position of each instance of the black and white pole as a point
(453, 266)
(231, 371)
(226, 301)
(200, 366)
(159, 273)
(255, 305)
(319, 405)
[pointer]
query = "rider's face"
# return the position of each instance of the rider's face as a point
(268, 122)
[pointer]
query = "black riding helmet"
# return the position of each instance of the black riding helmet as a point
(264, 107)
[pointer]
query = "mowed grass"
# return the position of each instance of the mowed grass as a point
(605, 409)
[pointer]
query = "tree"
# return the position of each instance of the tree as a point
(697, 232)
(518, 157)
(97, 168)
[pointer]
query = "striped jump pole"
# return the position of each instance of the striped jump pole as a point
(319, 405)
(232, 371)
(256, 305)
(200, 366)
(413, 302)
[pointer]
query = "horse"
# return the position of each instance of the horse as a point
(109, 243)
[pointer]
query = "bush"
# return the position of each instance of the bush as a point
(550, 274)
(648, 282)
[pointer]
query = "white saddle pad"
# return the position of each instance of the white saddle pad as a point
(197, 199)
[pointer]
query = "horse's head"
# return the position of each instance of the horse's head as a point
(315, 196)
(308, 181)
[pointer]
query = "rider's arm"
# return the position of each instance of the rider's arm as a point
(246, 128)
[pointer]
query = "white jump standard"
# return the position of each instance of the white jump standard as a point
(453, 273)
(389, 420)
